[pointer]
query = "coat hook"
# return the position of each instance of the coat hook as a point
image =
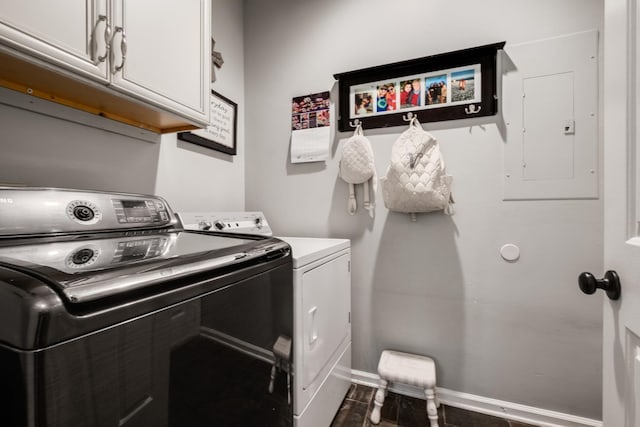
(408, 117)
(355, 123)
(471, 109)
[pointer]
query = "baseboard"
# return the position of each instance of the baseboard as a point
(485, 405)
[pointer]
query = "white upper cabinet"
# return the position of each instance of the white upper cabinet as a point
(153, 51)
(69, 33)
(160, 52)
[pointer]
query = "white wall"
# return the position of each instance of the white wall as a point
(40, 150)
(520, 332)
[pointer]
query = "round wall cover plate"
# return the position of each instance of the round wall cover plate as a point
(510, 252)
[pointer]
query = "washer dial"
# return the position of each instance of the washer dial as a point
(83, 212)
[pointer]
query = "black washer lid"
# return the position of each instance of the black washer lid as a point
(88, 267)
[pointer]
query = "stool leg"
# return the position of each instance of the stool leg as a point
(432, 412)
(378, 401)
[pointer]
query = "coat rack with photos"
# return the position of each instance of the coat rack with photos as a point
(448, 86)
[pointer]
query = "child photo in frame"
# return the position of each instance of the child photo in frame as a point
(363, 103)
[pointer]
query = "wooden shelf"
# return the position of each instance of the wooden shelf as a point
(35, 80)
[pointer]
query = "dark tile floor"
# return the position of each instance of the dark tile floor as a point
(404, 411)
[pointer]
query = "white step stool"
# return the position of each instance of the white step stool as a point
(411, 369)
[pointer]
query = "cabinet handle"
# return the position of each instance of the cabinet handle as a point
(123, 50)
(107, 41)
(94, 40)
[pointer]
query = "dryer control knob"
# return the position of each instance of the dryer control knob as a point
(219, 225)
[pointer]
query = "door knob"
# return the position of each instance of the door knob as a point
(610, 284)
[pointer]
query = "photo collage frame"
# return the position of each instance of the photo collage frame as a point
(454, 85)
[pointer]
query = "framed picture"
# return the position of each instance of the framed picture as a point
(448, 86)
(220, 135)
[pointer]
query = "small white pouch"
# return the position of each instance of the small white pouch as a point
(357, 167)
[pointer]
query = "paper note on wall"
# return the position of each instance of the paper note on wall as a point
(310, 131)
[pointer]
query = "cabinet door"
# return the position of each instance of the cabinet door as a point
(68, 33)
(160, 53)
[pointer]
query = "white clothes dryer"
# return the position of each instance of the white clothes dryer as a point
(322, 313)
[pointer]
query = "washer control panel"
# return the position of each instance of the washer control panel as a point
(35, 211)
(140, 211)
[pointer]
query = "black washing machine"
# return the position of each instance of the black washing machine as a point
(111, 314)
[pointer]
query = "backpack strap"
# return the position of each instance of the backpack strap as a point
(352, 204)
(367, 199)
(449, 210)
(415, 157)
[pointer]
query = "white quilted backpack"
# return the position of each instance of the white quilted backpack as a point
(416, 180)
(357, 167)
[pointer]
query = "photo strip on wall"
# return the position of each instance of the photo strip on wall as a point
(435, 89)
